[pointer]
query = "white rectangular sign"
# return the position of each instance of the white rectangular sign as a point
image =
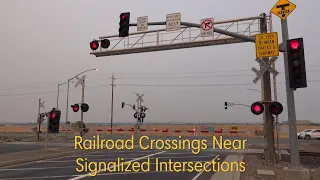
(206, 27)
(142, 23)
(173, 22)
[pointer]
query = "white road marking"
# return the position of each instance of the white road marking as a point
(76, 176)
(60, 167)
(170, 157)
(109, 155)
(199, 174)
(137, 159)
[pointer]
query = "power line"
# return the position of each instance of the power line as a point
(102, 76)
(169, 77)
(148, 85)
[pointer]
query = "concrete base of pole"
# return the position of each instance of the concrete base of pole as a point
(301, 173)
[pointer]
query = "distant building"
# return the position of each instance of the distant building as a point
(299, 122)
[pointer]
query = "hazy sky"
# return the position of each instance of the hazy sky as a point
(45, 42)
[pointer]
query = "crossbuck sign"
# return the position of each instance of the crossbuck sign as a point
(140, 97)
(80, 81)
(265, 66)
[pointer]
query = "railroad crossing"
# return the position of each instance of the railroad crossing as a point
(266, 47)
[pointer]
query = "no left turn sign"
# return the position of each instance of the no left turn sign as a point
(206, 27)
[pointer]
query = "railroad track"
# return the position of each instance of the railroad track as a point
(305, 153)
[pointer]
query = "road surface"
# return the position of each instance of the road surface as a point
(65, 168)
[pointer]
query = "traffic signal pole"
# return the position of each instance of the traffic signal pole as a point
(112, 102)
(266, 81)
(294, 146)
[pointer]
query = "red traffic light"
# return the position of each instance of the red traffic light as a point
(53, 115)
(276, 108)
(105, 43)
(294, 44)
(257, 108)
(75, 107)
(94, 45)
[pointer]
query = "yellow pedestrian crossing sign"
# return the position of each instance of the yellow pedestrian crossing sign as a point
(283, 9)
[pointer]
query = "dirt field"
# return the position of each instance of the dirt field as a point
(243, 130)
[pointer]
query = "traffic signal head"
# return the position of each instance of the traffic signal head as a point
(257, 108)
(94, 45)
(105, 43)
(75, 107)
(296, 63)
(122, 104)
(54, 121)
(124, 24)
(225, 105)
(276, 108)
(84, 107)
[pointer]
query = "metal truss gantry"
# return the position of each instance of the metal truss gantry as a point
(187, 37)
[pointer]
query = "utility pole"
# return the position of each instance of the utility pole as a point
(294, 146)
(82, 101)
(267, 97)
(112, 87)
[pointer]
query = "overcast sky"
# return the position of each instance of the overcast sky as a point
(45, 42)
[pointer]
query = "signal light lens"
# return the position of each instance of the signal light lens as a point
(94, 45)
(276, 108)
(257, 108)
(75, 108)
(105, 43)
(294, 44)
(53, 115)
(123, 17)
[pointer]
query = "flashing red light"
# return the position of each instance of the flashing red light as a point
(75, 108)
(257, 108)
(294, 44)
(53, 115)
(94, 45)
(123, 17)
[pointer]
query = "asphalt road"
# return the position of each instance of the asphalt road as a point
(65, 168)
(251, 140)
(18, 147)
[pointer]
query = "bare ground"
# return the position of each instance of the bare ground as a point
(254, 162)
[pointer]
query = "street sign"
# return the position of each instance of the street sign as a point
(80, 81)
(142, 23)
(173, 22)
(139, 97)
(42, 104)
(234, 128)
(206, 27)
(267, 45)
(283, 9)
(230, 104)
(265, 66)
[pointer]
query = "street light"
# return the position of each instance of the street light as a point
(95, 69)
(59, 92)
(253, 90)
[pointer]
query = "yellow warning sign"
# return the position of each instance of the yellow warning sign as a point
(283, 8)
(234, 128)
(267, 45)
